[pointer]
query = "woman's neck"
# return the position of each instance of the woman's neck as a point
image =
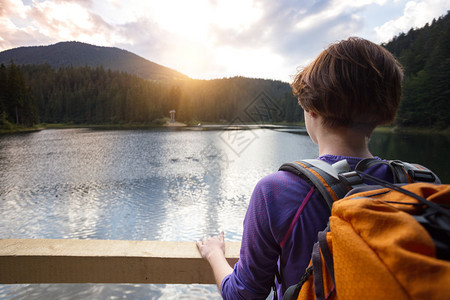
(343, 141)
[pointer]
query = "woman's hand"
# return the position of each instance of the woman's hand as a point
(212, 247)
(213, 250)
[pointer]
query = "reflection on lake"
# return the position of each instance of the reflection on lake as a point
(429, 150)
(150, 185)
(133, 185)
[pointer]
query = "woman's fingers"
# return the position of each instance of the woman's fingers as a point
(210, 244)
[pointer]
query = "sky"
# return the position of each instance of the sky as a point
(207, 39)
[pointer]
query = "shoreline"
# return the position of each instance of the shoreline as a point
(285, 127)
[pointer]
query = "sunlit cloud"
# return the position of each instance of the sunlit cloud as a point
(415, 14)
(259, 62)
(12, 8)
(65, 21)
(213, 38)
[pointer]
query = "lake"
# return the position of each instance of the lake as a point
(164, 184)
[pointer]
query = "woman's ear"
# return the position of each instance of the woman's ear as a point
(312, 114)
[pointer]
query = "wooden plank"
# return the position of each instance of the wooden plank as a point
(105, 261)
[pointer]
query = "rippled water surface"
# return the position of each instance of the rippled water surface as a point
(151, 185)
(133, 185)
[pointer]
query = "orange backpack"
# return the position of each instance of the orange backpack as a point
(385, 241)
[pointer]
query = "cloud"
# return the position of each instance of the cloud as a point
(12, 8)
(152, 41)
(15, 30)
(70, 20)
(288, 34)
(53, 21)
(297, 33)
(415, 15)
(213, 38)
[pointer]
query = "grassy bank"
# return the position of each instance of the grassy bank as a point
(11, 128)
(101, 126)
(18, 129)
(412, 130)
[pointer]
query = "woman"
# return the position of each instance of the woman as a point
(349, 89)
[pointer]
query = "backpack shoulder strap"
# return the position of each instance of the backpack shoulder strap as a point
(322, 175)
(415, 172)
(402, 172)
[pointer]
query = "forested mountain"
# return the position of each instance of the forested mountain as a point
(425, 56)
(81, 83)
(99, 96)
(74, 87)
(17, 104)
(78, 54)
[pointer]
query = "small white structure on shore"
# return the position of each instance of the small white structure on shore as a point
(172, 116)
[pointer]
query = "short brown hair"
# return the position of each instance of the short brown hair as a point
(353, 83)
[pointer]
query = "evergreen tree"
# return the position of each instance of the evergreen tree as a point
(424, 54)
(3, 88)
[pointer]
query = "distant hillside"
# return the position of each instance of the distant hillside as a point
(425, 56)
(80, 54)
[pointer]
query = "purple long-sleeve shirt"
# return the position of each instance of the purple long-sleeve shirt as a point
(273, 205)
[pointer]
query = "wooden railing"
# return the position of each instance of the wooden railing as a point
(105, 261)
